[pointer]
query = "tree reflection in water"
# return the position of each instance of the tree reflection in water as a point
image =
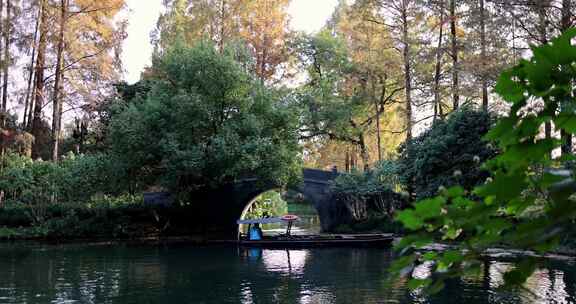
(176, 274)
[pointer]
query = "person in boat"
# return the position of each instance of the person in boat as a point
(256, 233)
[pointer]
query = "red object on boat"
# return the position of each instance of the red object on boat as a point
(289, 217)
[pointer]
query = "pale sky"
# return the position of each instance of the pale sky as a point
(306, 15)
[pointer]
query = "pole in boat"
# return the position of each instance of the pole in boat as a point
(290, 218)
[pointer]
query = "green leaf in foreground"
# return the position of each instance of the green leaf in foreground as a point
(522, 205)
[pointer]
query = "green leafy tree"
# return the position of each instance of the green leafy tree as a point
(268, 204)
(529, 203)
(206, 122)
(337, 103)
(374, 192)
(448, 153)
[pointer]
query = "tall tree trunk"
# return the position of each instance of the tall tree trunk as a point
(407, 69)
(542, 21)
(354, 159)
(39, 82)
(566, 14)
(455, 68)
(542, 32)
(377, 105)
(566, 23)
(439, 52)
(27, 101)
(347, 161)
(57, 102)
(222, 25)
(2, 105)
(7, 29)
(32, 106)
(514, 36)
(378, 135)
(364, 154)
(483, 56)
(262, 65)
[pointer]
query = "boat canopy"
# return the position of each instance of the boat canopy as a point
(269, 220)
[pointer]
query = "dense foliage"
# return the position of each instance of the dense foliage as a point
(104, 217)
(335, 104)
(204, 123)
(76, 178)
(370, 193)
(267, 204)
(448, 153)
(529, 202)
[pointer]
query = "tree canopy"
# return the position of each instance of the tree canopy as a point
(450, 152)
(206, 122)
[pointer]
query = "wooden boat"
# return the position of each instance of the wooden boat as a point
(324, 240)
(287, 240)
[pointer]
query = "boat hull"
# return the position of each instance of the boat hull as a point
(342, 241)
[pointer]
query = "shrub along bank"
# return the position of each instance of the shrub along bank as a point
(104, 219)
(367, 201)
(450, 152)
(81, 197)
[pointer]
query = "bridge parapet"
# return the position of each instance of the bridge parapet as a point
(319, 175)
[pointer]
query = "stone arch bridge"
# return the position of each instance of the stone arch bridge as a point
(214, 214)
(230, 202)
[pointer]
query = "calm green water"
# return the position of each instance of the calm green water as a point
(186, 274)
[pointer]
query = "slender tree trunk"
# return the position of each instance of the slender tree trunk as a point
(378, 135)
(222, 25)
(542, 27)
(407, 69)
(514, 36)
(567, 14)
(263, 65)
(347, 161)
(377, 105)
(566, 24)
(57, 102)
(27, 102)
(2, 105)
(455, 68)
(31, 107)
(439, 52)
(39, 82)
(354, 159)
(364, 154)
(7, 29)
(483, 56)
(542, 21)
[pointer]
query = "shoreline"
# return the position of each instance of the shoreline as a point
(494, 253)
(147, 241)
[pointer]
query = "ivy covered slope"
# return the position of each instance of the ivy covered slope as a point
(525, 204)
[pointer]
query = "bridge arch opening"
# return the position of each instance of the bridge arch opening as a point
(278, 202)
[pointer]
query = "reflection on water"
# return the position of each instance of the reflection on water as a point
(287, 262)
(186, 274)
